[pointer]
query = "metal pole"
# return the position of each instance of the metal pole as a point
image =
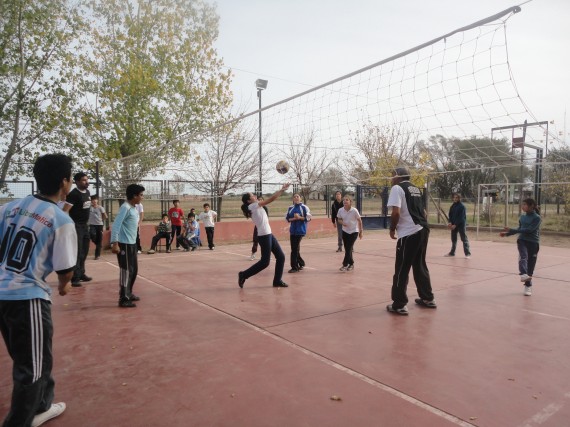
(260, 152)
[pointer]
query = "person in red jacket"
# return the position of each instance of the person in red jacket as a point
(176, 216)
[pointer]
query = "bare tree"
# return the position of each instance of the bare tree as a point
(308, 164)
(224, 160)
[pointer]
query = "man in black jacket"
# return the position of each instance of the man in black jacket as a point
(336, 205)
(80, 198)
(457, 224)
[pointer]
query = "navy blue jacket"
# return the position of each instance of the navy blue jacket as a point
(529, 227)
(457, 214)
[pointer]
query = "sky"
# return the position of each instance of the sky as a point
(299, 44)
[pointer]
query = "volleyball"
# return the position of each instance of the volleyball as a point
(282, 167)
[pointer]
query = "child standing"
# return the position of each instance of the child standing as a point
(298, 215)
(176, 216)
(163, 231)
(208, 217)
(97, 215)
(351, 222)
(527, 242)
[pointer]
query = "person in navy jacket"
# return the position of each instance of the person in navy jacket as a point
(298, 214)
(457, 223)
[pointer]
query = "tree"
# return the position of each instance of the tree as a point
(557, 172)
(37, 93)
(224, 160)
(153, 81)
(307, 164)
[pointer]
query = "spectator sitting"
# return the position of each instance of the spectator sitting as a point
(186, 239)
(163, 231)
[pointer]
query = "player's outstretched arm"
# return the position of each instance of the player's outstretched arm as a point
(275, 196)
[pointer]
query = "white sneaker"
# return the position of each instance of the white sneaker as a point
(524, 277)
(55, 410)
(528, 290)
(252, 257)
(343, 268)
(139, 252)
(468, 256)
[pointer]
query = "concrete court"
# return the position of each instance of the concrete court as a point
(198, 351)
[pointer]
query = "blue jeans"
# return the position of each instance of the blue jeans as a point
(528, 252)
(268, 245)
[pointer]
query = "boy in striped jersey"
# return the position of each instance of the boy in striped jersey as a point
(36, 238)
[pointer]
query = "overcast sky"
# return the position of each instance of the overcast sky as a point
(298, 44)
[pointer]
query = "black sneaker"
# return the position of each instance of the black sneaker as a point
(280, 284)
(127, 304)
(293, 270)
(401, 311)
(425, 303)
(241, 279)
(85, 278)
(135, 298)
(76, 284)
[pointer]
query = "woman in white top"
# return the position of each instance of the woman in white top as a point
(252, 208)
(351, 222)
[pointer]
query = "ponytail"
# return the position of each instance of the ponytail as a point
(245, 205)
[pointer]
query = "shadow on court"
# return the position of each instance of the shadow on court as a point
(198, 351)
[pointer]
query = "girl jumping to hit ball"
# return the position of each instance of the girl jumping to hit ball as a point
(252, 208)
(528, 242)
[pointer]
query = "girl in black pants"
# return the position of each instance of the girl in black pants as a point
(252, 208)
(351, 222)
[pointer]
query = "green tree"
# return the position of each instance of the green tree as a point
(37, 93)
(153, 79)
(557, 172)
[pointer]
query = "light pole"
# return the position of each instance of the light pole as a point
(260, 85)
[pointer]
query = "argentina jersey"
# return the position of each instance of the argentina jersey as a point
(36, 238)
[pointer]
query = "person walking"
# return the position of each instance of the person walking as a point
(457, 223)
(336, 205)
(252, 208)
(97, 215)
(37, 239)
(80, 199)
(351, 222)
(528, 242)
(298, 215)
(409, 220)
(124, 244)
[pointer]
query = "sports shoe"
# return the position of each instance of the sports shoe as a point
(193, 248)
(139, 252)
(350, 267)
(343, 268)
(426, 303)
(293, 270)
(150, 252)
(55, 410)
(168, 252)
(252, 257)
(449, 254)
(127, 304)
(280, 284)
(135, 297)
(179, 248)
(76, 284)
(525, 277)
(402, 311)
(528, 290)
(339, 249)
(85, 278)
(241, 279)
(468, 256)
(96, 258)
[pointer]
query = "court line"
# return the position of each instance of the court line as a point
(546, 412)
(393, 391)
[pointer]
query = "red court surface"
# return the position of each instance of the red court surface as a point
(198, 351)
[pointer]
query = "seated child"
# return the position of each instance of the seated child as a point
(186, 240)
(163, 231)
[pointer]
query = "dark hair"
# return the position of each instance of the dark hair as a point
(50, 170)
(206, 204)
(94, 197)
(78, 176)
(456, 194)
(402, 172)
(532, 204)
(191, 215)
(244, 208)
(164, 215)
(134, 190)
(175, 201)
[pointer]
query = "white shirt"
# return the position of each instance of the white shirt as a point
(349, 219)
(259, 218)
(139, 208)
(406, 225)
(208, 218)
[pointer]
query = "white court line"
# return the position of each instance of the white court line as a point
(394, 392)
(545, 314)
(546, 412)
